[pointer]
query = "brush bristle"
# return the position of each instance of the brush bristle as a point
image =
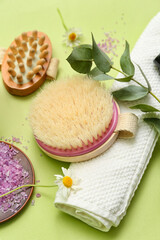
(72, 111)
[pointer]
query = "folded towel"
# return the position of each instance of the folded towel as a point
(108, 182)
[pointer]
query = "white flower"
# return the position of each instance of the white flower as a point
(72, 37)
(67, 183)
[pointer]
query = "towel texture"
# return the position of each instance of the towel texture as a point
(108, 182)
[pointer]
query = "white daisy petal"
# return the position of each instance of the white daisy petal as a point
(72, 37)
(65, 192)
(75, 188)
(76, 181)
(68, 173)
(57, 182)
(58, 176)
(65, 184)
(68, 192)
(64, 170)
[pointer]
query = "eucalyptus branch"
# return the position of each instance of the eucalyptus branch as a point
(119, 71)
(134, 80)
(82, 58)
(154, 96)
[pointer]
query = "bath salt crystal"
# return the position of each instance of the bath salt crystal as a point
(17, 140)
(109, 44)
(33, 202)
(38, 195)
(12, 175)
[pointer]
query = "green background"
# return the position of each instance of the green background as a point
(126, 19)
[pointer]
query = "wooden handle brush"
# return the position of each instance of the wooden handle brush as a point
(25, 63)
(74, 119)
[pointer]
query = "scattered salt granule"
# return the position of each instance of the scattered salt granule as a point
(12, 175)
(25, 147)
(109, 44)
(17, 140)
(38, 195)
(32, 202)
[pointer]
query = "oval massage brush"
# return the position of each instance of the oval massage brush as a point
(25, 63)
(74, 119)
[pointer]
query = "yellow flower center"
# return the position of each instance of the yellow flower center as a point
(72, 36)
(67, 181)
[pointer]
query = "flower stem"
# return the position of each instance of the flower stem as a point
(27, 185)
(62, 20)
(153, 95)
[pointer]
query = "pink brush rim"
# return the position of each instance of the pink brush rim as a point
(86, 148)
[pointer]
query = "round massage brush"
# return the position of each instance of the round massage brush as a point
(74, 119)
(25, 63)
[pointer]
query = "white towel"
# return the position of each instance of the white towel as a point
(109, 181)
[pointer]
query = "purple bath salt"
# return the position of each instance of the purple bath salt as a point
(109, 44)
(17, 140)
(38, 195)
(32, 202)
(12, 175)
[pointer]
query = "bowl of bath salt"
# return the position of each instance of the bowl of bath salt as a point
(15, 170)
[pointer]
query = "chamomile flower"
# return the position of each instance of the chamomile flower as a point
(67, 183)
(72, 37)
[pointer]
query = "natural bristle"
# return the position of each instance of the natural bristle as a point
(70, 112)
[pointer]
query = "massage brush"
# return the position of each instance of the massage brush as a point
(27, 63)
(74, 119)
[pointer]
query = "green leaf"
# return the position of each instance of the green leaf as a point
(155, 122)
(130, 93)
(96, 74)
(125, 79)
(101, 60)
(81, 58)
(148, 84)
(125, 61)
(145, 108)
(85, 46)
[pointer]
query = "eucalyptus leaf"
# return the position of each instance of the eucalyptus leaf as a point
(96, 74)
(101, 60)
(148, 84)
(130, 93)
(81, 58)
(102, 77)
(125, 79)
(145, 108)
(125, 61)
(85, 46)
(155, 122)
